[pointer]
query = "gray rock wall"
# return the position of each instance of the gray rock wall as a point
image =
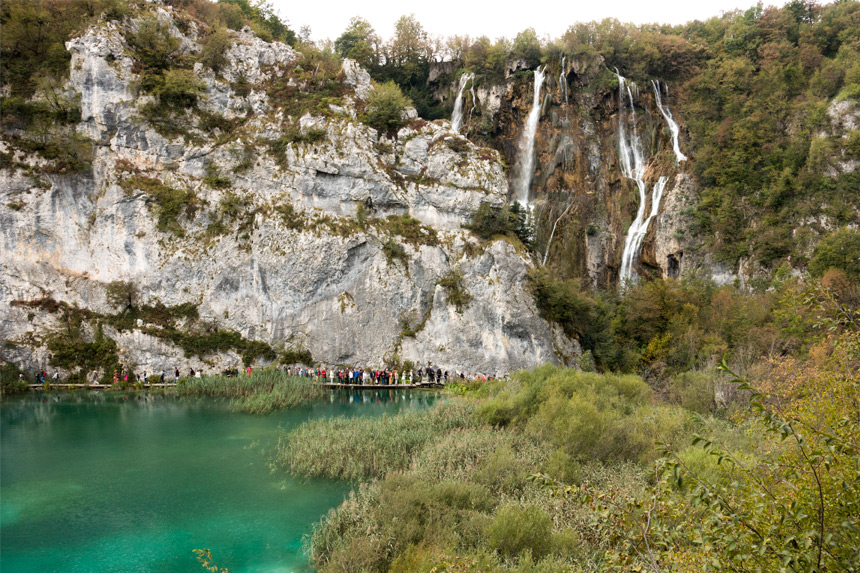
(326, 284)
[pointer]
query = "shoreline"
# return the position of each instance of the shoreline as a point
(72, 387)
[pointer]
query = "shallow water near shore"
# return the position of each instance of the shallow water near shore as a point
(111, 482)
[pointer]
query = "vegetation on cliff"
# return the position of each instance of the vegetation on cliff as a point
(79, 344)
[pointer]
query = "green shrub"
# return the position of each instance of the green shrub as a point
(455, 288)
(409, 229)
(292, 134)
(516, 529)
(215, 46)
(10, 383)
(385, 107)
(394, 251)
(153, 44)
(297, 355)
(693, 391)
(490, 222)
(169, 203)
(122, 294)
(838, 250)
(178, 88)
(72, 351)
(585, 415)
(562, 301)
(291, 218)
(214, 179)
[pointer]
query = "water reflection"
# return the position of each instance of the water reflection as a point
(91, 477)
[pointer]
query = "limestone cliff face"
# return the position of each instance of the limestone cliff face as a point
(286, 228)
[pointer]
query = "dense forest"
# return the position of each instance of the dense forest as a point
(707, 427)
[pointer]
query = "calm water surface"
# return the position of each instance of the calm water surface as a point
(101, 482)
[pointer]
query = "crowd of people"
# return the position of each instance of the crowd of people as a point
(349, 376)
(383, 377)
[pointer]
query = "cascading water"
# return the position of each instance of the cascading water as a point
(562, 80)
(633, 167)
(474, 99)
(457, 117)
(638, 229)
(673, 127)
(526, 147)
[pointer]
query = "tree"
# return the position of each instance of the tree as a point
(359, 42)
(264, 20)
(408, 52)
(385, 107)
(527, 46)
(179, 88)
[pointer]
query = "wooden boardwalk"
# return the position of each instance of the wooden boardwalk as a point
(383, 386)
(62, 386)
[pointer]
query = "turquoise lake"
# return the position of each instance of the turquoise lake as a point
(107, 482)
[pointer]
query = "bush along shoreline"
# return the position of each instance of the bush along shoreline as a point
(564, 470)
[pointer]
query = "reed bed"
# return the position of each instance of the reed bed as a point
(366, 448)
(259, 393)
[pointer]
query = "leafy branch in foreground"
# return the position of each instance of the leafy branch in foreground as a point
(793, 506)
(204, 556)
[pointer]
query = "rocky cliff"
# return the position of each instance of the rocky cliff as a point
(579, 188)
(578, 180)
(267, 220)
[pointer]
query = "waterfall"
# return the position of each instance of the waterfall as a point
(562, 80)
(633, 167)
(474, 99)
(638, 229)
(457, 118)
(673, 127)
(526, 147)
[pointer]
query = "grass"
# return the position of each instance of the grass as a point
(365, 448)
(261, 393)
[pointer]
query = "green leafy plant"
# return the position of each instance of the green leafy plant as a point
(385, 107)
(455, 289)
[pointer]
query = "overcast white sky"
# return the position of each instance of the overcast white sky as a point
(329, 18)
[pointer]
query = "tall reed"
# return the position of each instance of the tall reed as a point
(259, 393)
(365, 448)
